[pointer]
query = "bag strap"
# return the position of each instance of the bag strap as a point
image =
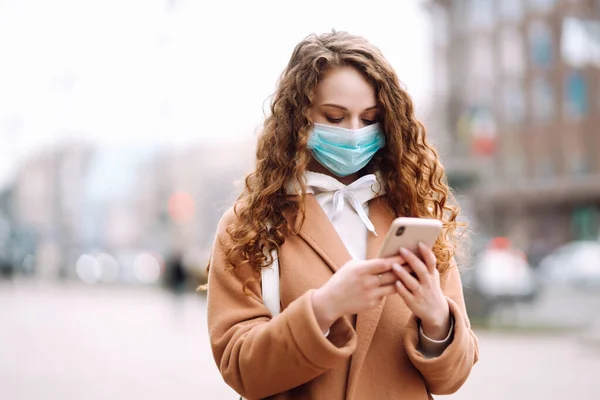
(270, 285)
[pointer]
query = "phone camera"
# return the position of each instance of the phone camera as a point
(400, 231)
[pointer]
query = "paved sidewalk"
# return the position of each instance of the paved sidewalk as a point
(76, 342)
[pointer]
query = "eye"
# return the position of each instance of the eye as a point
(334, 120)
(368, 121)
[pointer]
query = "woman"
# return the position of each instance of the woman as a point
(341, 156)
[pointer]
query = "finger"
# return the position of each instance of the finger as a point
(385, 279)
(428, 257)
(416, 264)
(395, 259)
(381, 265)
(373, 281)
(388, 278)
(384, 291)
(406, 295)
(406, 278)
(375, 266)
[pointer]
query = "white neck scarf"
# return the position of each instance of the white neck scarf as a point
(328, 189)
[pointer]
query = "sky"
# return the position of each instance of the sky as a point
(164, 72)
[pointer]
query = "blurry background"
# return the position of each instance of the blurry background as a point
(125, 125)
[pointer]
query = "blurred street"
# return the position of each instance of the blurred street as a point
(120, 342)
(83, 342)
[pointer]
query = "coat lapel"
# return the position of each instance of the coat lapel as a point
(319, 233)
(366, 322)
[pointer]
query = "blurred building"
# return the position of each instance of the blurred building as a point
(182, 194)
(73, 206)
(44, 206)
(517, 88)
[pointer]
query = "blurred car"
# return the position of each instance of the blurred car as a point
(576, 263)
(592, 334)
(500, 274)
(127, 265)
(504, 274)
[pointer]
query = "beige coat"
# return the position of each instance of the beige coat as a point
(287, 357)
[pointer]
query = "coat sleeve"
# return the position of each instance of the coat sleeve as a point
(259, 355)
(446, 373)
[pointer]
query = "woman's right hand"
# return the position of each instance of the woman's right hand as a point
(356, 287)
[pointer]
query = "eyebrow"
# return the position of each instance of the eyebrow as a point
(344, 108)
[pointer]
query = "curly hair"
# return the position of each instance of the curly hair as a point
(413, 176)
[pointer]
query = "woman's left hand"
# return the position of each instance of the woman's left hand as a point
(423, 295)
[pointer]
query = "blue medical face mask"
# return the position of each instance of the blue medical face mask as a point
(345, 151)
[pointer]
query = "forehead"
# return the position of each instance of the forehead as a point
(347, 87)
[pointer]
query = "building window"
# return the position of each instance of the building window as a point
(441, 32)
(580, 42)
(441, 78)
(481, 60)
(585, 223)
(542, 5)
(481, 13)
(540, 42)
(512, 51)
(511, 10)
(542, 99)
(576, 95)
(513, 99)
(459, 10)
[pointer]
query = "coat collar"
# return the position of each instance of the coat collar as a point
(319, 233)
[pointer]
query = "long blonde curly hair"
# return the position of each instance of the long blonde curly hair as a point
(413, 176)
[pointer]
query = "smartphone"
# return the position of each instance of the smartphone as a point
(408, 232)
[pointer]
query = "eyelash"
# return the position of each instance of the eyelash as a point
(338, 120)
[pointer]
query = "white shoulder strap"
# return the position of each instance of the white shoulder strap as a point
(270, 285)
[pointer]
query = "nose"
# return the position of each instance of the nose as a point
(355, 123)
